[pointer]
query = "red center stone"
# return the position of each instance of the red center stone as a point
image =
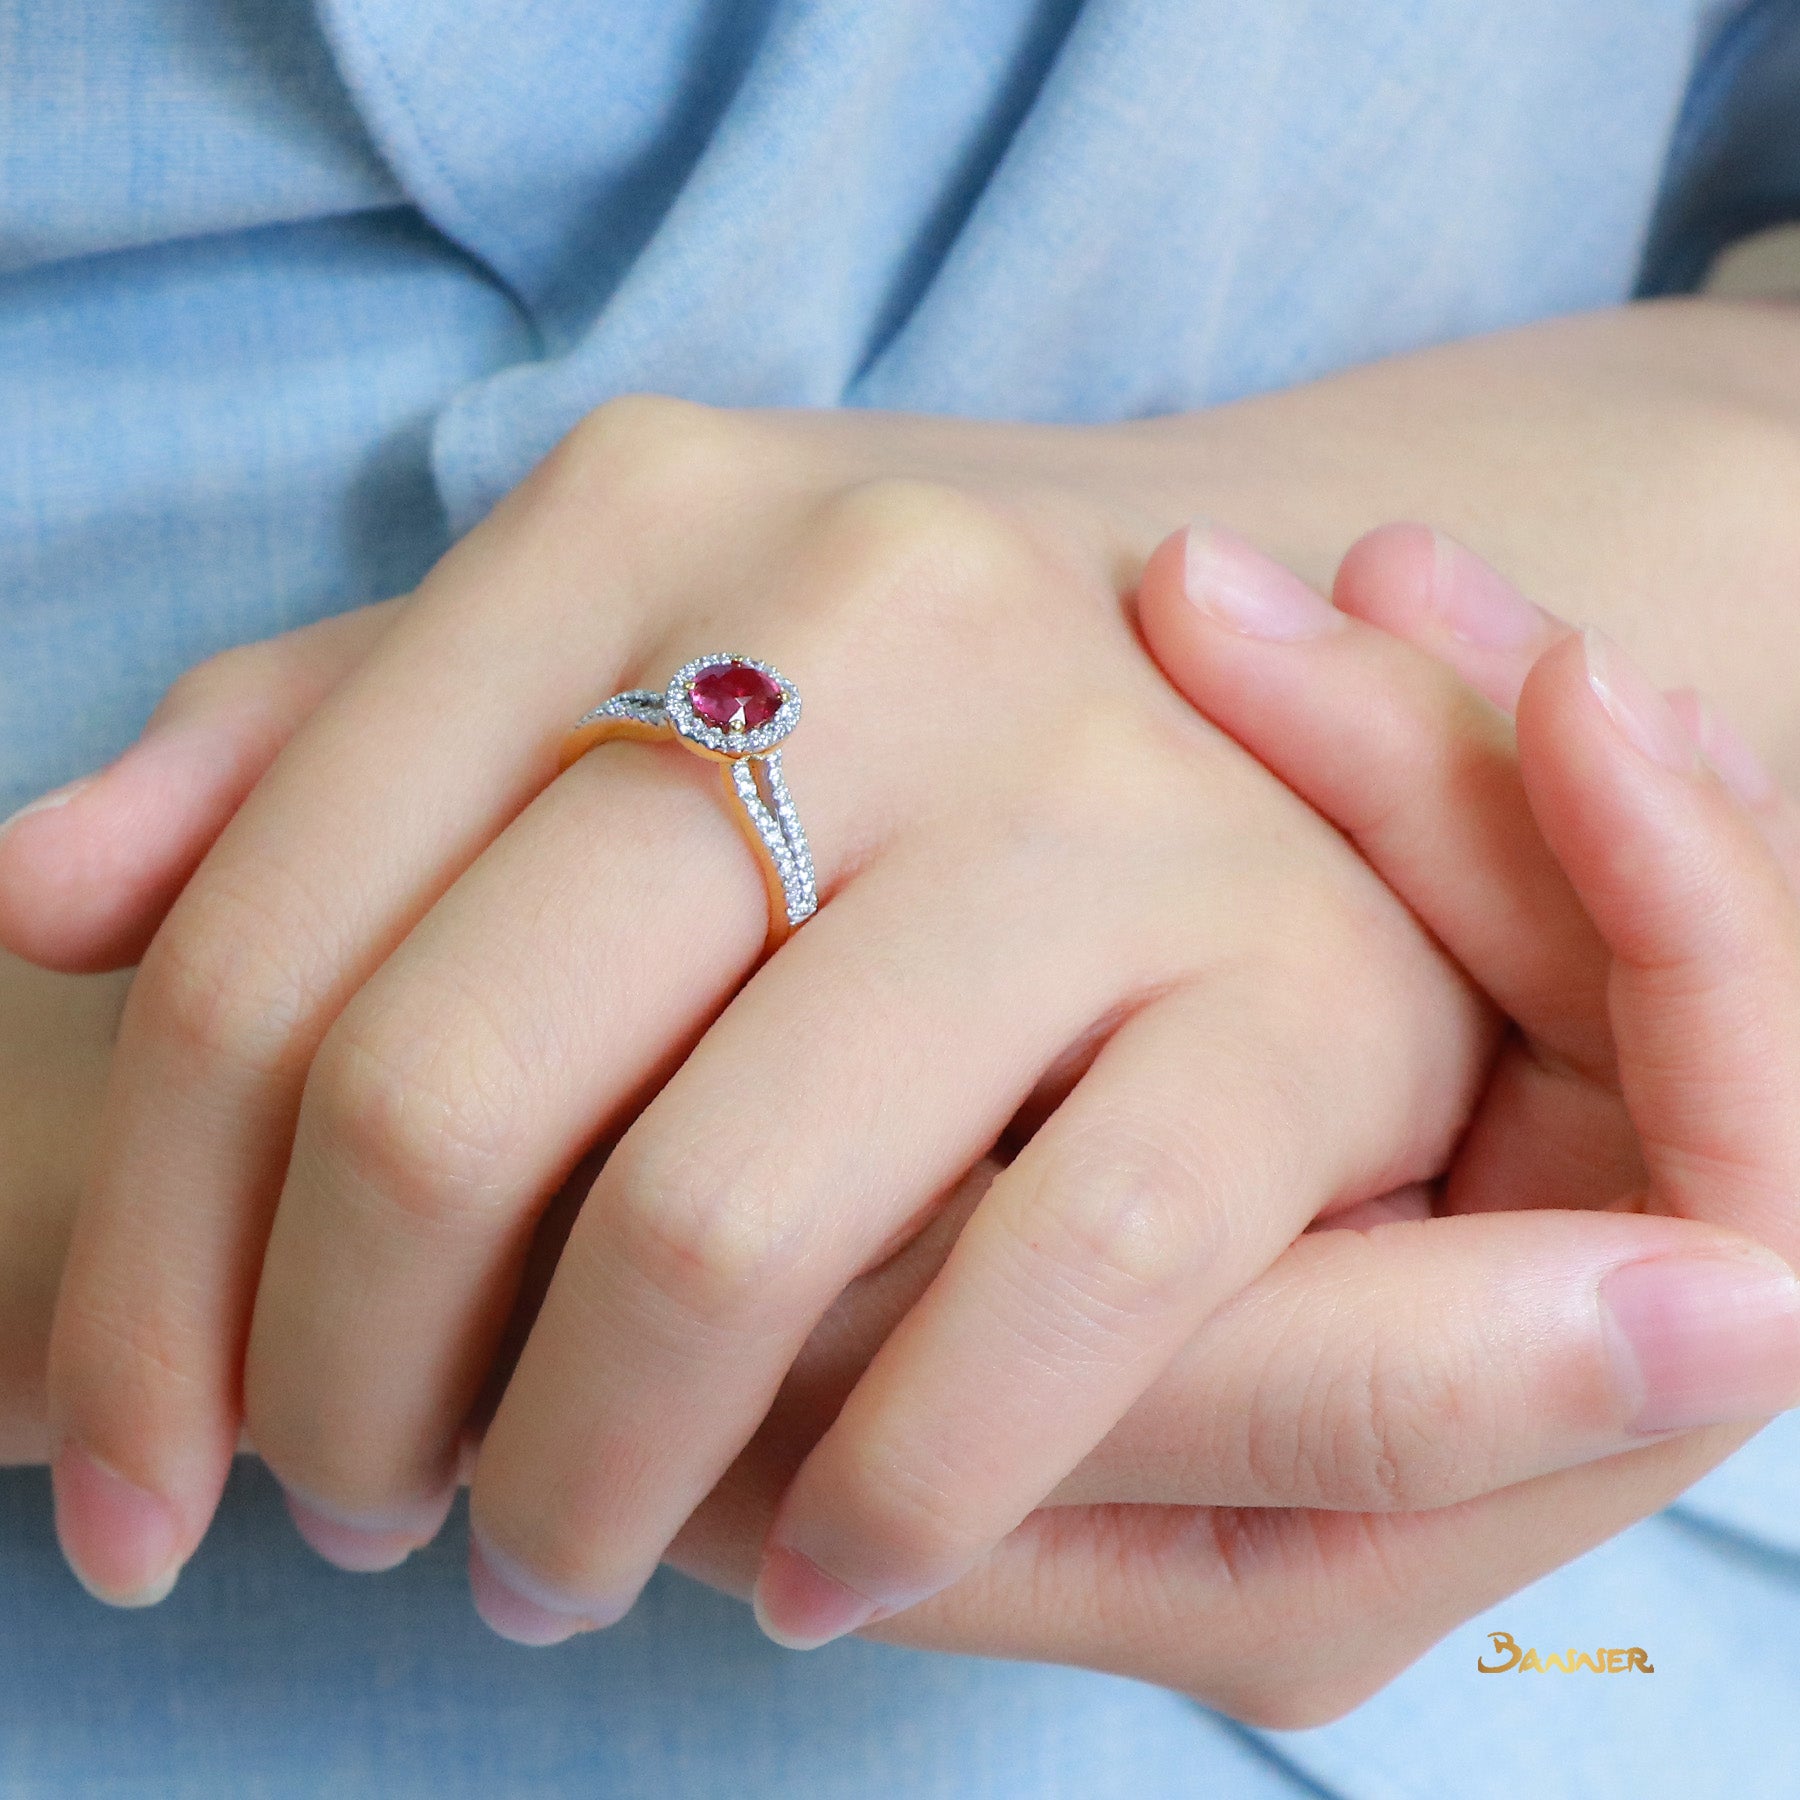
(735, 697)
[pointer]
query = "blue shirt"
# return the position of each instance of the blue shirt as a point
(287, 299)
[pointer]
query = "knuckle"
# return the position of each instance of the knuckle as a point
(215, 987)
(933, 538)
(426, 1137)
(1272, 1653)
(1114, 1226)
(715, 1237)
(651, 448)
(906, 1508)
(1317, 1596)
(1256, 1612)
(1393, 1435)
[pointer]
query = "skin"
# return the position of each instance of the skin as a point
(71, 809)
(442, 989)
(1093, 1582)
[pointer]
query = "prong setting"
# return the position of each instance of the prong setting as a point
(759, 740)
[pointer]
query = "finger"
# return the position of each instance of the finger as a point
(1425, 1363)
(1399, 1369)
(88, 872)
(1212, 1127)
(53, 1052)
(1684, 890)
(526, 1016)
(1703, 928)
(416, 761)
(1283, 1618)
(1423, 586)
(862, 1070)
(1395, 751)
(720, 1541)
(1735, 761)
(1542, 1135)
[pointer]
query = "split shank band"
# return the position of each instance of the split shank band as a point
(736, 712)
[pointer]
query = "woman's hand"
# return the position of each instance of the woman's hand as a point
(1401, 1367)
(1411, 1366)
(416, 978)
(1412, 757)
(1289, 1617)
(1655, 409)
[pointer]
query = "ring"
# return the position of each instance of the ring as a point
(737, 712)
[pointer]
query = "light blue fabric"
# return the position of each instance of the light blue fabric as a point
(268, 1675)
(285, 301)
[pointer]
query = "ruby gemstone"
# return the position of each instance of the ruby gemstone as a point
(735, 697)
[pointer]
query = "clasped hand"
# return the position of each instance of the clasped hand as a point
(1175, 987)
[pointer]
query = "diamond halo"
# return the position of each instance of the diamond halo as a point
(678, 699)
(748, 756)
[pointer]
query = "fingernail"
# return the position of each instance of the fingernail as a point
(362, 1546)
(1478, 604)
(46, 802)
(800, 1606)
(1233, 582)
(1635, 704)
(1733, 760)
(520, 1608)
(1704, 1340)
(122, 1541)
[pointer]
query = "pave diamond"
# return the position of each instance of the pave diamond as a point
(643, 706)
(781, 835)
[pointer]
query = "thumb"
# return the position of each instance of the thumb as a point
(88, 872)
(1704, 932)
